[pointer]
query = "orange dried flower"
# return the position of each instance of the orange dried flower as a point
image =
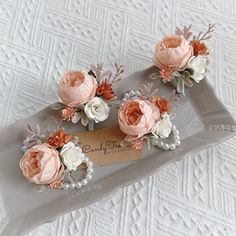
(68, 113)
(139, 143)
(105, 90)
(163, 104)
(199, 48)
(59, 139)
(166, 73)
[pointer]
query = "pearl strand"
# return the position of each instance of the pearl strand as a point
(128, 95)
(84, 181)
(168, 146)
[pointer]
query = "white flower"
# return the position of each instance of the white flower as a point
(72, 156)
(198, 65)
(163, 127)
(97, 110)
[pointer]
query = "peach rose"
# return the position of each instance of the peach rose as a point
(173, 51)
(77, 88)
(41, 164)
(137, 117)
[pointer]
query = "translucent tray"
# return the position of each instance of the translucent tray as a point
(201, 119)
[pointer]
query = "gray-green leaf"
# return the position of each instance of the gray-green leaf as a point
(153, 76)
(40, 188)
(90, 124)
(57, 106)
(180, 86)
(188, 82)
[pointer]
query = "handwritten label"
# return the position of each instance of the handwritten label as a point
(102, 146)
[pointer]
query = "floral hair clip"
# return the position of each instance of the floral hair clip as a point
(146, 117)
(87, 97)
(182, 57)
(52, 160)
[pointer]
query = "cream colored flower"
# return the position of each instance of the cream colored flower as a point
(163, 127)
(97, 110)
(72, 156)
(198, 65)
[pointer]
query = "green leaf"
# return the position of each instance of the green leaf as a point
(149, 143)
(186, 74)
(57, 106)
(188, 82)
(40, 188)
(90, 124)
(176, 74)
(191, 71)
(154, 76)
(180, 86)
(84, 119)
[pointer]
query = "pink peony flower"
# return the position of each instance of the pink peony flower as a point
(77, 88)
(41, 164)
(137, 117)
(173, 51)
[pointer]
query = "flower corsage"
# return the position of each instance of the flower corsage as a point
(145, 117)
(87, 97)
(182, 58)
(52, 160)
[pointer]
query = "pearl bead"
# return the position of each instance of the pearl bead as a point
(173, 127)
(160, 144)
(126, 95)
(166, 146)
(176, 132)
(78, 185)
(172, 146)
(84, 182)
(177, 143)
(124, 100)
(131, 92)
(89, 164)
(121, 104)
(90, 170)
(72, 185)
(176, 138)
(138, 93)
(66, 186)
(154, 141)
(88, 176)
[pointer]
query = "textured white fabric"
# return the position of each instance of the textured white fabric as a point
(41, 39)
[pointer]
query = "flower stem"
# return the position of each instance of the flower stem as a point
(91, 125)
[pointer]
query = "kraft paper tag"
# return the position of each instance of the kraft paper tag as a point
(102, 146)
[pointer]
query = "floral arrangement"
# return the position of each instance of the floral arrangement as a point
(145, 117)
(52, 160)
(182, 57)
(87, 97)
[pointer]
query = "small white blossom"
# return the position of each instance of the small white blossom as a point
(163, 127)
(198, 65)
(72, 156)
(97, 110)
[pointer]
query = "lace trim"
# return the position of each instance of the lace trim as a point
(221, 127)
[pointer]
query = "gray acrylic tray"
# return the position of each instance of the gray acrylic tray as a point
(201, 119)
